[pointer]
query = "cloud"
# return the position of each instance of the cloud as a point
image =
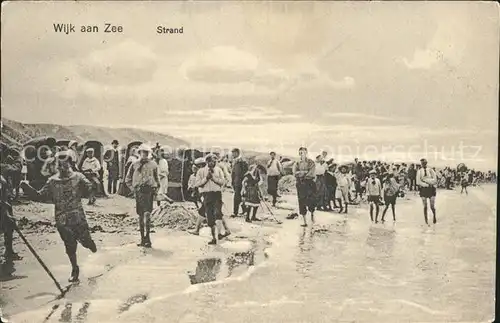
(221, 64)
(127, 63)
(272, 78)
(346, 83)
(360, 117)
(241, 114)
(446, 46)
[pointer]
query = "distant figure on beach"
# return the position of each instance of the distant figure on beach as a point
(390, 189)
(274, 172)
(305, 174)
(320, 170)
(239, 169)
(163, 172)
(427, 181)
(343, 185)
(464, 183)
(251, 194)
(90, 168)
(73, 154)
(113, 166)
(374, 193)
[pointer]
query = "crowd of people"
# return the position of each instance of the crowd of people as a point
(321, 184)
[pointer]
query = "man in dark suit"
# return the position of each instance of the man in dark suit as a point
(113, 165)
(239, 169)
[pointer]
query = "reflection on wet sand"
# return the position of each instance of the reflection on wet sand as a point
(381, 240)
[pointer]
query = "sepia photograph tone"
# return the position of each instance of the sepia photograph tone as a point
(257, 161)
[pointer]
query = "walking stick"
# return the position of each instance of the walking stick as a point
(268, 208)
(40, 261)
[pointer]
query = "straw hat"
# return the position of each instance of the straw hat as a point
(144, 147)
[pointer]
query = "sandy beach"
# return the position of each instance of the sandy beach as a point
(344, 266)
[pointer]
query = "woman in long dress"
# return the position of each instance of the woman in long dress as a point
(163, 174)
(251, 193)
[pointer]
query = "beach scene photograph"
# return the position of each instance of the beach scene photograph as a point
(256, 161)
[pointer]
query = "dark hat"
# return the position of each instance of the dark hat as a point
(423, 160)
(302, 148)
(114, 142)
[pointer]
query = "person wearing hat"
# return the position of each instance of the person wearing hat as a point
(274, 172)
(195, 196)
(331, 185)
(210, 180)
(427, 181)
(320, 170)
(66, 189)
(304, 171)
(112, 158)
(374, 194)
(90, 168)
(343, 185)
(223, 163)
(239, 169)
(72, 152)
(143, 180)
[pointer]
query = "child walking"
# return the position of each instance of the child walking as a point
(374, 192)
(464, 183)
(391, 190)
(251, 194)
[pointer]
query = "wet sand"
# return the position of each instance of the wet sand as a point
(341, 269)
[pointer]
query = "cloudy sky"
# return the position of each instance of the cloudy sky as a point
(351, 78)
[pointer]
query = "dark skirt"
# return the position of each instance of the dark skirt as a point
(252, 196)
(321, 190)
(272, 185)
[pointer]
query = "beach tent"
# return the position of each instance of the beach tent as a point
(35, 154)
(62, 143)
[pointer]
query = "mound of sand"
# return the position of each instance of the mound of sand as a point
(39, 218)
(175, 217)
(286, 184)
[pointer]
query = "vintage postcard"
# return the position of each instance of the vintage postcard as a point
(255, 161)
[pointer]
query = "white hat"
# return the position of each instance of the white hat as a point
(199, 161)
(90, 149)
(144, 147)
(71, 143)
